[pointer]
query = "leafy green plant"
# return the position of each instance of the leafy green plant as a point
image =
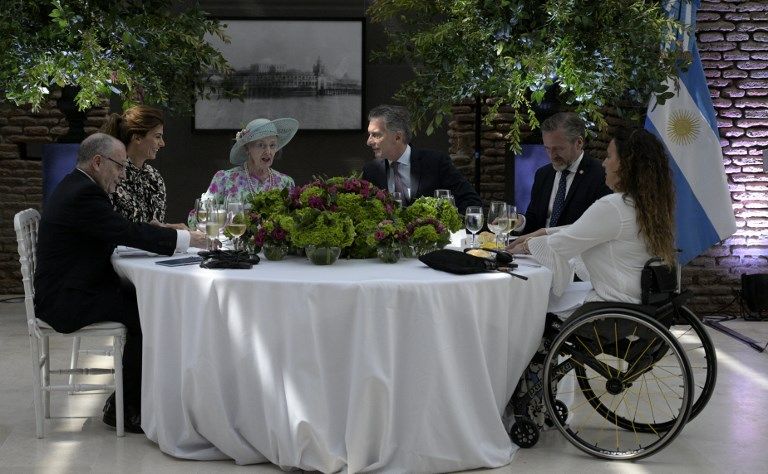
(439, 209)
(150, 52)
(322, 229)
(591, 53)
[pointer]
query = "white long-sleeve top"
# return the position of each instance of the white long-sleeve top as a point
(612, 252)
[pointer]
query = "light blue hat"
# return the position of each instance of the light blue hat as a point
(284, 129)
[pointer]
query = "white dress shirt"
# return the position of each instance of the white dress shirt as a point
(612, 253)
(404, 170)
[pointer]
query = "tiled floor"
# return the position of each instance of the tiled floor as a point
(729, 436)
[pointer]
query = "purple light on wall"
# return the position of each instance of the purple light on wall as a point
(526, 163)
(58, 160)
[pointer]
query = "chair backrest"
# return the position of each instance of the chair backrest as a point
(26, 223)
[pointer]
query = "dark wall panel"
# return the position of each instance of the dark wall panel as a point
(189, 159)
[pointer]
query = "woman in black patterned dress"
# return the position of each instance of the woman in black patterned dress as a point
(140, 197)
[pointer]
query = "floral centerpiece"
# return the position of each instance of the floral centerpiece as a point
(273, 234)
(322, 233)
(427, 234)
(388, 237)
(430, 207)
(365, 204)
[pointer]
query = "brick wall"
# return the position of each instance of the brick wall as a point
(733, 41)
(21, 178)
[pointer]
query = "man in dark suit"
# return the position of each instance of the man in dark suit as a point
(398, 167)
(75, 284)
(578, 179)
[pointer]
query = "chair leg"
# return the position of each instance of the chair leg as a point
(37, 396)
(73, 359)
(46, 377)
(117, 357)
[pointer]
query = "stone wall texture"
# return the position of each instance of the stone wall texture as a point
(21, 178)
(732, 37)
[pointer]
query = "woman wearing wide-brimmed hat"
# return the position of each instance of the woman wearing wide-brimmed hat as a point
(253, 154)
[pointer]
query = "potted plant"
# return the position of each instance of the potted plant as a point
(388, 237)
(426, 235)
(588, 55)
(322, 234)
(274, 236)
(439, 209)
(145, 52)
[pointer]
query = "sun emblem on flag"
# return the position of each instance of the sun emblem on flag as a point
(683, 127)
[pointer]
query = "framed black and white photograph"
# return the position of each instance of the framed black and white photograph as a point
(310, 70)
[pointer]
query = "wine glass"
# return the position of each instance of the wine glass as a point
(212, 224)
(498, 219)
(398, 197)
(201, 213)
(513, 220)
(235, 221)
(445, 194)
(473, 219)
(406, 196)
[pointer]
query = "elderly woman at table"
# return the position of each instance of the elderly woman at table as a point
(613, 239)
(255, 149)
(140, 197)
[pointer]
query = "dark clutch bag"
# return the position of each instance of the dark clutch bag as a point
(227, 259)
(460, 263)
(658, 282)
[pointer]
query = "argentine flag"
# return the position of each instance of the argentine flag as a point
(687, 126)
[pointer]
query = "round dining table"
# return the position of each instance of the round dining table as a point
(358, 366)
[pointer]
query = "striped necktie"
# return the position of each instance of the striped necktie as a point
(559, 204)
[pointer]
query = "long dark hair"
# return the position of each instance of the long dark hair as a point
(645, 176)
(137, 120)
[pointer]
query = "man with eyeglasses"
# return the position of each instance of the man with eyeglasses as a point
(75, 284)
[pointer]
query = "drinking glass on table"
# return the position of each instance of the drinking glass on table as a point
(235, 224)
(445, 194)
(398, 197)
(513, 219)
(473, 218)
(498, 219)
(201, 213)
(212, 224)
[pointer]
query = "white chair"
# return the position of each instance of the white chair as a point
(26, 224)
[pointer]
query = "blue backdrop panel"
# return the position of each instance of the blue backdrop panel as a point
(532, 158)
(58, 160)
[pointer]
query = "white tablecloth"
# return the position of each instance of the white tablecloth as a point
(358, 366)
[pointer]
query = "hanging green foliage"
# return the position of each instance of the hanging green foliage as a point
(593, 53)
(151, 52)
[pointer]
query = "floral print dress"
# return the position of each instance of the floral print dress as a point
(140, 197)
(236, 183)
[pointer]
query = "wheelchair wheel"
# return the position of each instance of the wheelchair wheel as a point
(698, 347)
(624, 380)
(524, 433)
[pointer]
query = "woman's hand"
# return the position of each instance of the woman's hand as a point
(520, 245)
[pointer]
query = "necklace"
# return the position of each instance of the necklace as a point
(268, 183)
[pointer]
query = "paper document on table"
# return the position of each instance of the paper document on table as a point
(572, 297)
(123, 251)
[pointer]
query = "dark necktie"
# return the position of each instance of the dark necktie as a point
(557, 207)
(398, 180)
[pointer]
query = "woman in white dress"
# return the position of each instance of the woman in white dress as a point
(613, 239)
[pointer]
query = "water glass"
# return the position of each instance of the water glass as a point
(473, 218)
(498, 219)
(398, 197)
(445, 194)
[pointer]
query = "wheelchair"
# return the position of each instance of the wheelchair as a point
(619, 381)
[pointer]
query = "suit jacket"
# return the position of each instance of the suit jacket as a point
(75, 284)
(587, 187)
(430, 170)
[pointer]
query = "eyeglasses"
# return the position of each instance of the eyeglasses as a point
(121, 166)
